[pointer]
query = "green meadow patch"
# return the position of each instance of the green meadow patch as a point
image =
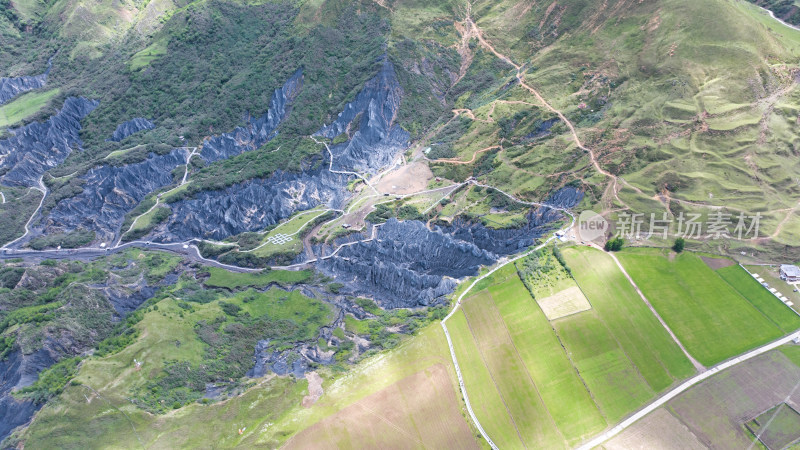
(782, 315)
(226, 279)
(711, 318)
(24, 106)
(658, 358)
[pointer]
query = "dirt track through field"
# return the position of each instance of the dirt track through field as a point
(700, 368)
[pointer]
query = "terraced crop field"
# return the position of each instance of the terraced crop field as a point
(542, 383)
(711, 318)
(658, 358)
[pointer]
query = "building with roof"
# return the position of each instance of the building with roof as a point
(790, 273)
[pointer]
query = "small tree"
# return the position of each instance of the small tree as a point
(679, 244)
(614, 244)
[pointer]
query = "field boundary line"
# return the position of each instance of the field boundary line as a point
(457, 303)
(683, 387)
(771, 293)
(662, 363)
(774, 415)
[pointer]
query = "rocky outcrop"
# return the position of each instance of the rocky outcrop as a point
(506, 241)
(110, 192)
(259, 130)
(252, 205)
(282, 363)
(130, 127)
(18, 371)
(127, 298)
(542, 129)
(38, 147)
(377, 138)
(407, 265)
(567, 197)
(11, 87)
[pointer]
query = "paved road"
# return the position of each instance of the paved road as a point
(686, 385)
(186, 249)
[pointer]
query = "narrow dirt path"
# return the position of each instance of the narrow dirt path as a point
(457, 161)
(614, 185)
(43, 189)
(783, 222)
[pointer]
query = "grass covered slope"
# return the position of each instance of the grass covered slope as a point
(689, 101)
(711, 318)
(272, 411)
(24, 106)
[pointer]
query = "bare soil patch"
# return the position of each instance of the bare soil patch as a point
(406, 179)
(717, 263)
(564, 303)
(716, 409)
(420, 410)
(314, 389)
(659, 430)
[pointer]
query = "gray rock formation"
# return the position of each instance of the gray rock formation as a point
(507, 241)
(127, 298)
(504, 241)
(18, 371)
(130, 127)
(110, 192)
(11, 87)
(259, 130)
(378, 139)
(267, 358)
(38, 147)
(252, 205)
(406, 265)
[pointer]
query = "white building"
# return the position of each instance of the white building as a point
(790, 273)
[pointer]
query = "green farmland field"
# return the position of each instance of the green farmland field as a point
(532, 419)
(761, 298)
(712, 320)
(610, 375)
(658, 358)
(557, 383)
(485, 399)
(567, 399)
